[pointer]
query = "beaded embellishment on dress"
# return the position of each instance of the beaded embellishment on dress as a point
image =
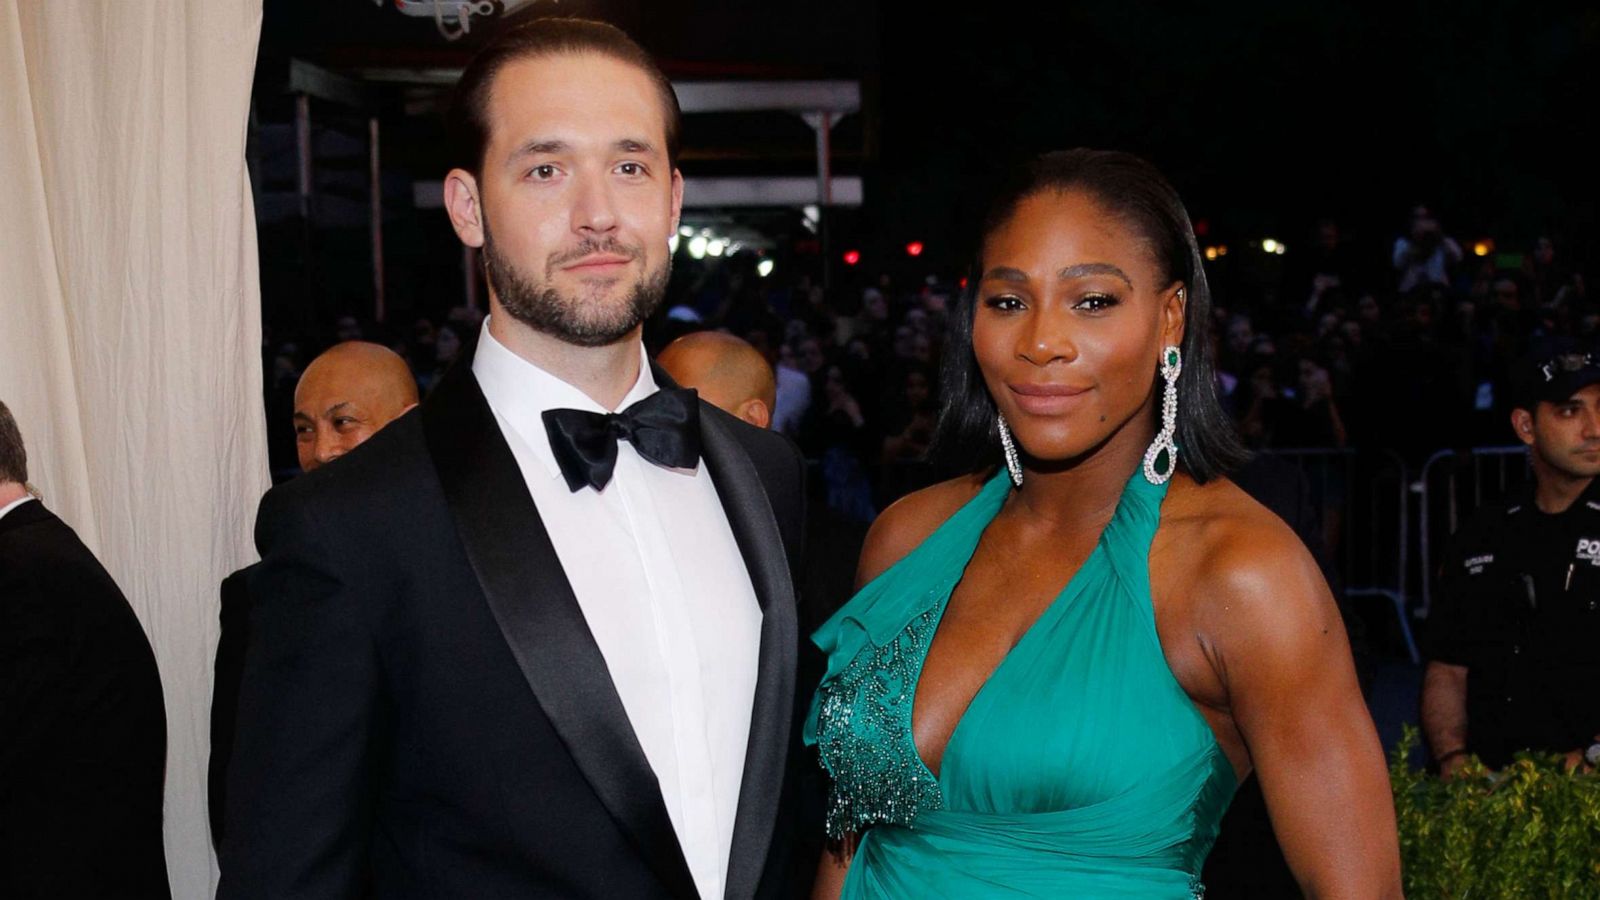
(864, 735)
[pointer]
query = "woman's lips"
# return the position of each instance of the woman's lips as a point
(1047, 399)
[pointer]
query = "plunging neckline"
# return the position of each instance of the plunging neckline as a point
(938, 619)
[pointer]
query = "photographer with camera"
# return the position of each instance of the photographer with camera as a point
(1425, 254)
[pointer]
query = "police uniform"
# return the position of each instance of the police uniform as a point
(1519, 606)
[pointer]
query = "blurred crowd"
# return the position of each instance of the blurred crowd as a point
(1406, 347)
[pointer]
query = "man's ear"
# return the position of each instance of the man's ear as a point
(462, 203)
(755, 412)
(1173, 310)
(1522, 424)
(677, 199)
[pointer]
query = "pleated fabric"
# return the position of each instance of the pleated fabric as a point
(1081, 768)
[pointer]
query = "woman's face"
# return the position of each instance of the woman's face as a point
(1071, 319)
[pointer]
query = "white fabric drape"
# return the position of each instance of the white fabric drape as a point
(130, 321)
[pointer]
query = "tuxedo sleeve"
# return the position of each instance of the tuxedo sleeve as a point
(299, 787)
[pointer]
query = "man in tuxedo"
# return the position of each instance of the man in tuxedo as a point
(83, 729)
(347, 394)
(518, 644)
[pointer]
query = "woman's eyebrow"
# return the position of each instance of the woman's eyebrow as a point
(1099, 268)
(1080, 270)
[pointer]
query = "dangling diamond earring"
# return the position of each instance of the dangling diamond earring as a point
(1013, 464)
(1162, 457)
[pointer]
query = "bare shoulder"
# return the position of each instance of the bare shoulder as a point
(1244, 569)
(908, 522)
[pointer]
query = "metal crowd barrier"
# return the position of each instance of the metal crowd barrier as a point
(1487, 475)
(1361, 499)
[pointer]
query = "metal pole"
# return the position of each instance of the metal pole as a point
(824, 129)
(822, 123)
(377, 220)
(302, 134)
(310, 310)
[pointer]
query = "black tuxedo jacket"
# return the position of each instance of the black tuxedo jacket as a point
(83, 730)
(424, 712)
(234, 619)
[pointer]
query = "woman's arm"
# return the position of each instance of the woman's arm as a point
(832, 869)
(1280, 648)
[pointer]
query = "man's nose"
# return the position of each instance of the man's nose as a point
(593, 209)
(1591, 423)
(329, 446)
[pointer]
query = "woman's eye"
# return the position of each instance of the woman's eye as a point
(1097, 302)
(1005, 303)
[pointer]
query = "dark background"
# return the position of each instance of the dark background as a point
(1266, 116)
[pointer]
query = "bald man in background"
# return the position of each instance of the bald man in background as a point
(729, 374)
(343, 398)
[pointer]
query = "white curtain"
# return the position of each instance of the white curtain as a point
(130, 321)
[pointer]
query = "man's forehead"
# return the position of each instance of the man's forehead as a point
(575, 98)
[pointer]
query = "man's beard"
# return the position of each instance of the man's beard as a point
(582, 321)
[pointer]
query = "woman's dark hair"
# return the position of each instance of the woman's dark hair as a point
(967, 438)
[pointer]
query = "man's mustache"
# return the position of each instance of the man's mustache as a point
(590, 248)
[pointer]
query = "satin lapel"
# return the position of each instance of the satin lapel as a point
(744, 499)
(538, 614)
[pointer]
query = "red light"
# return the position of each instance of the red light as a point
(851, 257)
(914, 248)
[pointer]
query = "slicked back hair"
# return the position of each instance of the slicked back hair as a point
(533, 38)
(1131, 189)
(13, 456)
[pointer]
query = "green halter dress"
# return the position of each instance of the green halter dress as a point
(1081, 768)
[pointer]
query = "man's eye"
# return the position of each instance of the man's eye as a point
(1097, 302)
(1005, 303)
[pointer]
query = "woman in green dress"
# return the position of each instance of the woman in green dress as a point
(1057, 669)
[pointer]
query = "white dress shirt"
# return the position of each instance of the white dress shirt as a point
(13, 505)
(664, 589)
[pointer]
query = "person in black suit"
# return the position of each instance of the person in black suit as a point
(347, 394)
(518, 644)
(83, 729)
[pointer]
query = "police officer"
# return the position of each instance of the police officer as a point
(1514, 645)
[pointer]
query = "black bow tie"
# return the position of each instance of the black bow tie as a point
(664, 427)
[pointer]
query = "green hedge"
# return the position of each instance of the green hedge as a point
(1529, 830)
